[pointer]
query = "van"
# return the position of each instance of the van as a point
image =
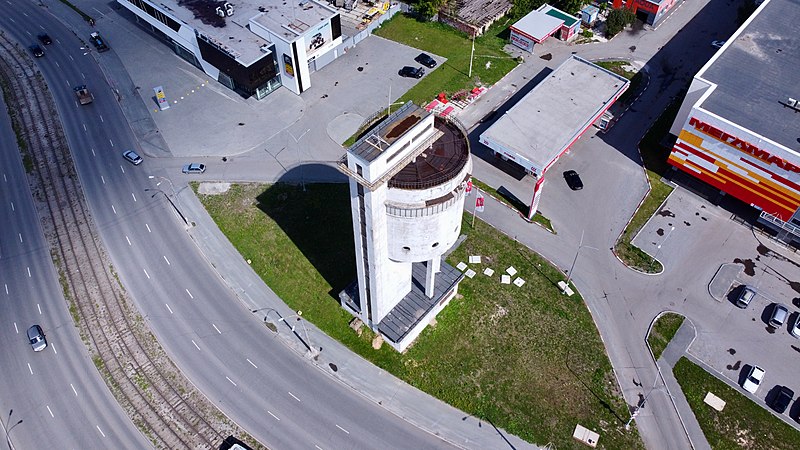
(779, 315)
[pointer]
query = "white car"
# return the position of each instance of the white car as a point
(132, 157)
(753, 380)
(194, 168)
(795, 329)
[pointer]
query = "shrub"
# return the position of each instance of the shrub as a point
(617, 20)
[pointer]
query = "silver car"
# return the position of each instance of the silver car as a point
(194, 168)
(132, 157)
(36, 338)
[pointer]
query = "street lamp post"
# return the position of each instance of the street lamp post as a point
(8, 430)
(307, 342)
(658, 247)
(640, 406)
(575, 260)
(296, 142)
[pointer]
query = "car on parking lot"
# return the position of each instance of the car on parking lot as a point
(573, 180)
(746, 295)
(132, 157)
(36, 338)
(753, 380)
(779, 315)
(782, 399)
(795, 329)
(37, 50)
(194, 168)
(717, 44)
(425, 60)
(411, 72)
(44, 38)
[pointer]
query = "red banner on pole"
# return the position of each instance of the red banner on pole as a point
(479, 203)
(468, 190)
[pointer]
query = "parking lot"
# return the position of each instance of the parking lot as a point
(692, 238)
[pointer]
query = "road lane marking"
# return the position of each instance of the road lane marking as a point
(20, 237)
(29, 272)
(112, 142)
(215, 327)
(40, 309)
(148, 228)
(54, 348)
(170, 309)
(273, 415)
(101, 118)
(293, 396)
(129, 241)
(187, 291)
(50, 411)
(121, 168)
(6, 285)
(93, 153)
(251, 363)
(15, 327)
(195, 344)
(30, 368)
(103, 179)
(101, 431)
(165, 259)
(84, 127)
(231, 381)
(4, 178)
(12, 206)
(73, 389)
(337, 426)
(114, 209)
(318, 447)
(145, 272)
(134, 196)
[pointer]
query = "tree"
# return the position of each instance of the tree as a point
(617, 20)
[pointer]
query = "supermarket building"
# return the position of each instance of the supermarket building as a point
(739, 126)
(253, 46)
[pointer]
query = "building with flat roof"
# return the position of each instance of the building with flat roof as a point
(738, 128)
(650, 12)
(250, 46)
(408, 179)
(543, 125)
(536, 26)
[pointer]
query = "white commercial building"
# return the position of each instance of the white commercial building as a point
(408, 178)
(252, 46)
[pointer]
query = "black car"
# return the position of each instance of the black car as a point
(411, 72)
(44, 38)
(37, 51)
(573, 180)
(426, 60)
(782, 399)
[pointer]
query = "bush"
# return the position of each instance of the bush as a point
(587, 33)
(617, 20)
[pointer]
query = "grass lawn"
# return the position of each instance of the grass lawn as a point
(515, 203)
(663, 331)
(443, 40)
(527, 359)
(742, 424)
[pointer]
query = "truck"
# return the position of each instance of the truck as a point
(99, 42)
(84, 96)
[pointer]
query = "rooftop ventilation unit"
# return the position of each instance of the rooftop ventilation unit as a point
(220, 12)
(228, 8)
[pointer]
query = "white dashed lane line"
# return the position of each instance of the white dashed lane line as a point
(146, 274)
(73, 389)
(148, 228)
(251, 363)
(195, 344)
(170, 309)
(337, 426)
(50, 411)
(165, 259)
(190, 294)
(215, 327)
(129, 241)
(273, 415)
(231, 381)
(30, 368)
(293, 396)
(101, 431)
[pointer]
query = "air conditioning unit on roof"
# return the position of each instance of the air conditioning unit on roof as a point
(792, 102)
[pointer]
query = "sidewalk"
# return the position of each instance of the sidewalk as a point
(336, 360)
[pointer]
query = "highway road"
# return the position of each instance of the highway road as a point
(57, 393)
(281, 399)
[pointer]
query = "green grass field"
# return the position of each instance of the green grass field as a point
(663, 331)
(443, 40)
(742, 424)
(528, 359)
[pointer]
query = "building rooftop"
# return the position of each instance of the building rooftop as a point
(555, 112)
(284, 17)
(442, 161)
(481, 12)
(537, 25)
(755, 71)
(378, 139)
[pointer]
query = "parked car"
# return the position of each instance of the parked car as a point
(573, 180)
(36, 338)
(795, 329)
(426, 60)
(37, 50)
(782, 399)
(411, 72)
(745, 297)
(194, 168)
(779, 315)
(753, 380)
(44, 38)
(132, 157)
(717, 44)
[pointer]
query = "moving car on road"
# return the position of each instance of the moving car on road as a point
(573, 180)
(84, 96)
(411, 72)
(753, 380)
(98, 42)
(44, 38)
(194, 168)
(36, 338)
(745, 297)
(782, 399)
(425, 60)
(132, 157)
(37, 50)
